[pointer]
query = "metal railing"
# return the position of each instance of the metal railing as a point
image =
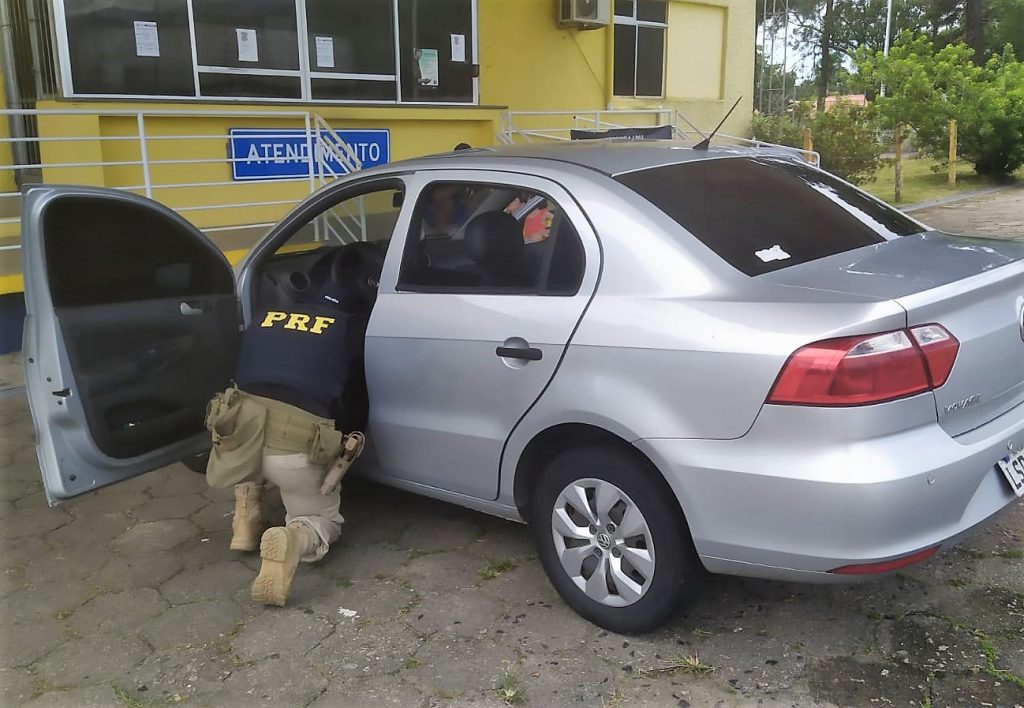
(520, 127)
(181, 158)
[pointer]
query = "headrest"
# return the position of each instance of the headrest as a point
(494, 238)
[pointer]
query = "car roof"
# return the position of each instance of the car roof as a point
(609, 156)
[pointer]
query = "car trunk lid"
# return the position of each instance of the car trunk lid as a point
(973, 287)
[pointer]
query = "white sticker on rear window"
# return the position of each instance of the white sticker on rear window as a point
(775, 253)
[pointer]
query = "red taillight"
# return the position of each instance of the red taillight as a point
(886, 566)
(873, 368)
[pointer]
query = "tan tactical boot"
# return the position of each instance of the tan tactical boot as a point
(247, 524)
(281, 548)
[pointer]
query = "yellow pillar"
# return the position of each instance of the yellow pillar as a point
(899, 163)
(808, 143)
(951, 180)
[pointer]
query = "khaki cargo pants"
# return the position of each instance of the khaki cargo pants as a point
(257, 439)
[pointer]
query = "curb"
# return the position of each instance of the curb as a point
(960, 197)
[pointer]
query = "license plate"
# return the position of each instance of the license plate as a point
(1013, 467)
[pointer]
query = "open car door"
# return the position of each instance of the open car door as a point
(132, 324)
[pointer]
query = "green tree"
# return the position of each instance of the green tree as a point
(926, 88)
(846, 137)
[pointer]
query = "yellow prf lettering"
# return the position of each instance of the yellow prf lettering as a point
(320, 324)
(272, 317)
(297, 321)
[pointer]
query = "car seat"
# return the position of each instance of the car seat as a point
(494, 242)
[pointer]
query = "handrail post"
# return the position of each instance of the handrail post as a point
(310, 147)
(144, 153)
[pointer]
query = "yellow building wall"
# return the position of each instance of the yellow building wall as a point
(695, 56)
(708, 42)
(192, 150)
(527, 63)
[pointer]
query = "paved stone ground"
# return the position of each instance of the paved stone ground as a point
(129, 596)
(998, 215)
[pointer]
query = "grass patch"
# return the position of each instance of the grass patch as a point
(682, 664)
(493, 567)
(123, 696)
(509, 690)
(411, 662)
(991, 657)
(344, 582)
(922, 184)
(1010, 555)
(614, 700)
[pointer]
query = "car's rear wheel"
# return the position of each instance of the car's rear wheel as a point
(613, 539)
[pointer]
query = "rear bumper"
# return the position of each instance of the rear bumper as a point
(806, 491)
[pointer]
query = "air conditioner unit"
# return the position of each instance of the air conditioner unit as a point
(584, 14)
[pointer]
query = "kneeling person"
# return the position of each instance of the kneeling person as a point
(283, 423)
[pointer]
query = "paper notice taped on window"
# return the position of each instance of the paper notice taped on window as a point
(458, 47)
(428, 66)
(325, 52)
(147, 39)
(248, 49)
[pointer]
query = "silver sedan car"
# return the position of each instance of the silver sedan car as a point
(667, 360)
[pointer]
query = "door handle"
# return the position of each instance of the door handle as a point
(188, 310)
(527, 353)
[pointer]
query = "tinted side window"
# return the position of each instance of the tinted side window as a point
(101, 251)
(762, 214)
(490, 239)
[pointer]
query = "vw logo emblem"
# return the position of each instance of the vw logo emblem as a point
(604, 540)
(1010, 446)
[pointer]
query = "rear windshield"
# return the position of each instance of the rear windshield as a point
(763, 214)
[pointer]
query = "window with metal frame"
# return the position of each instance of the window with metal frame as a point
(640, 30)
(351, 51)
(490, 239)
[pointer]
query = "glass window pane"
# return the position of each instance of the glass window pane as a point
(104, 54)
(624, 83)
(624, 8)
(425, 31)
(652, 10)
(249, 85)
(806, 213)
(488, 239)
(275, 45)
(650, 61)
(353, 90)
(356, 35)
(98, 252)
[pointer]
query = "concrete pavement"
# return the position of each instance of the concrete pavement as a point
(129, 596)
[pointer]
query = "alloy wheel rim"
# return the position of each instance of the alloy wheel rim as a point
(603, 542)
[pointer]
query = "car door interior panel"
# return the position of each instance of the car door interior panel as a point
(144, 371)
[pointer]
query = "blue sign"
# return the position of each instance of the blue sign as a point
(283, 153)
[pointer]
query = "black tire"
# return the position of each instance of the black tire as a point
(678, 574)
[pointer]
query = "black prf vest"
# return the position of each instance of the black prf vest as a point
(302, 349)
